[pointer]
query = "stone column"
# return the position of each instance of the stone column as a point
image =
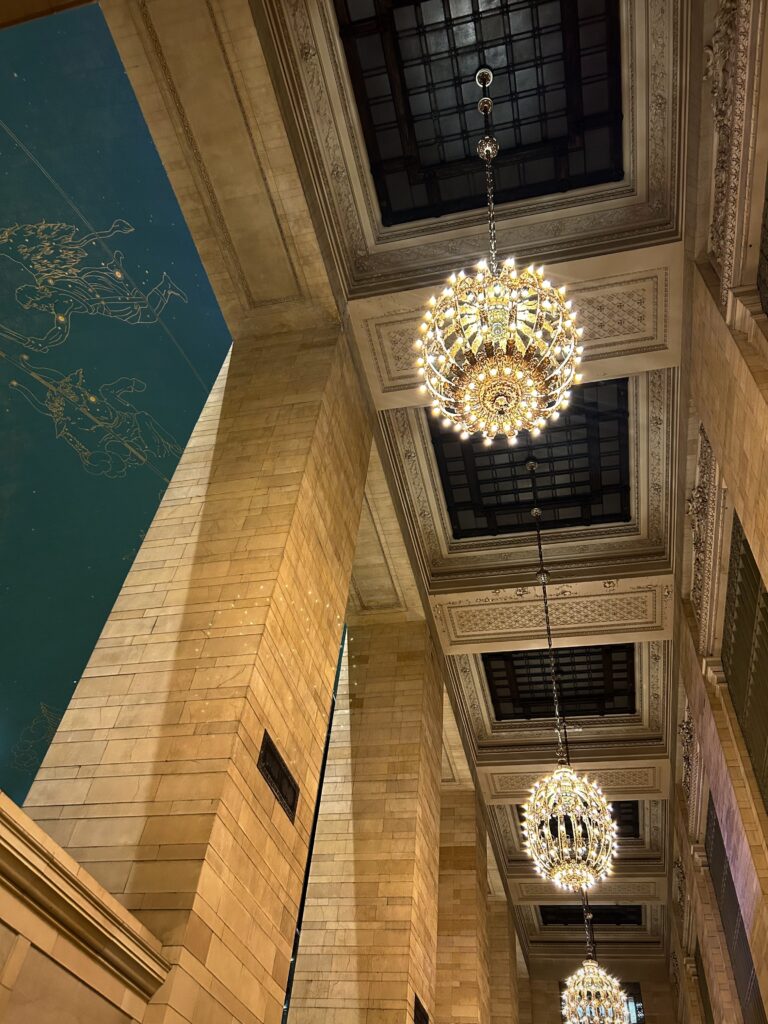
(690, 1010)
(524, 1000)
(503, 963)
(228, 625)
(714, 950)
(369, 936)
(463, 995)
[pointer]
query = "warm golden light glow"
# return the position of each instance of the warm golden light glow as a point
(499, 351)
(569, 831)
(591, 994)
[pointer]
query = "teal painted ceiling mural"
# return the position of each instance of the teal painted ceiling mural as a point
(110, 340)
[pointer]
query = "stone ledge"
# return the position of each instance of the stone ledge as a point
(47, 879)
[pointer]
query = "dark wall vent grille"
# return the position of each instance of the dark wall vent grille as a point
(278, 776)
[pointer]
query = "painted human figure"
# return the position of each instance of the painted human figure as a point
(108, 433)
(53, 255)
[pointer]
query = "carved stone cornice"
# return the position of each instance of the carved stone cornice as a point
(49, 883)
(620, 782)
(552, 941)
(629, 312)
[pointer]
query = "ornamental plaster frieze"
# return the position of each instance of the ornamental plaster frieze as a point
(612, 890)
(309, 64)
(582, 613)
(600, 553)
(631, 321)
(634, 781)
(652, 667)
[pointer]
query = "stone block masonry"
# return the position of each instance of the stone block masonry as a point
(229, 622)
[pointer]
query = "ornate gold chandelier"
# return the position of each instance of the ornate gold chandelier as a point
(591, 994)
(569, 831)
(498, 349)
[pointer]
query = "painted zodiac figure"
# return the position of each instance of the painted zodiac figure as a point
(107, 432)
(53, 255)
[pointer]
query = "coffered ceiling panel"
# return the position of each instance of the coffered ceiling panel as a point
(556, 89)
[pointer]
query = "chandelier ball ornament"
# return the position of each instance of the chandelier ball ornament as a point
(591, 994)
(499, 351)
(569, 831)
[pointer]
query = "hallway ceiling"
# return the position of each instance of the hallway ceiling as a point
(557, 98)
(278, 90)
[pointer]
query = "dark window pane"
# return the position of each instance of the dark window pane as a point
(598, 680)
(571, 915)
(582, 475)
(556, 90)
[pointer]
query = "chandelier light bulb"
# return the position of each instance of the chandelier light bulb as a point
(569, 832)
(591, 994)
(502, 346)
(502, 352)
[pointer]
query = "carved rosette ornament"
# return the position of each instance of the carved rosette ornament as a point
(726, 68)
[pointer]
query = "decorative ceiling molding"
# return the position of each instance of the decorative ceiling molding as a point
(514, 619)
(624, 315)
(503, 784)
(613, 890)
(640, 546)
(643, 209)
(652, 667)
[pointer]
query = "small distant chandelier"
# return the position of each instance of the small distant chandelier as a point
(591, 994)
(569, 831)
(498, 349)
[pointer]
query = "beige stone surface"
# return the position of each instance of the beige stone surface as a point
(463, 970)
(707, 925)
(229, 623)
(69, 952)
(738, 803)
(502, 962)
(370, 926)
(729, 391)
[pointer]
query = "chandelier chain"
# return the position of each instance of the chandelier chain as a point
(561, 727)
(588, 926)
(492, 257)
